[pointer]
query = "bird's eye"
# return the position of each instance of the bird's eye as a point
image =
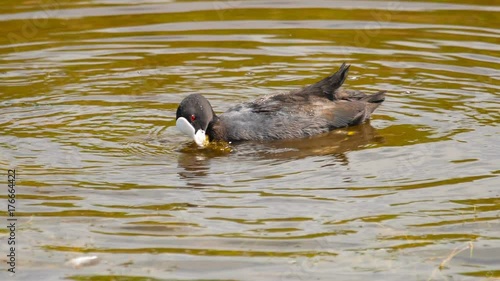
(193, 118)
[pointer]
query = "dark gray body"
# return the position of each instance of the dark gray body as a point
(313, 110)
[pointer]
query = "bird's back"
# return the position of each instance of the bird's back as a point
(315, 109)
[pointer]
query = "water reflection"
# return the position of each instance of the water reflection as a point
(196, 163)
(87, 110)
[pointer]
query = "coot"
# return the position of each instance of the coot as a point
(312, 110)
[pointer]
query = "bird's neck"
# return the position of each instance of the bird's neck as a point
(215, 129)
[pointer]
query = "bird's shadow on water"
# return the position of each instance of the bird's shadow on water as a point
(195, 163)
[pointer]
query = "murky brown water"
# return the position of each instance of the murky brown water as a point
(88, 92)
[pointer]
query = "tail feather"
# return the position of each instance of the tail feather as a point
(378, 97)
(335, 81)
(374, 101)
(330, 84)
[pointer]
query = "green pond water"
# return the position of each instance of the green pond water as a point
(88, 93)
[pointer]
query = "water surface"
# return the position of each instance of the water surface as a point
(88, 94)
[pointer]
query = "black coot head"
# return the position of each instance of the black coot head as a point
(193, 116)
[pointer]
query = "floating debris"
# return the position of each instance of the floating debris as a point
(83, 261)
